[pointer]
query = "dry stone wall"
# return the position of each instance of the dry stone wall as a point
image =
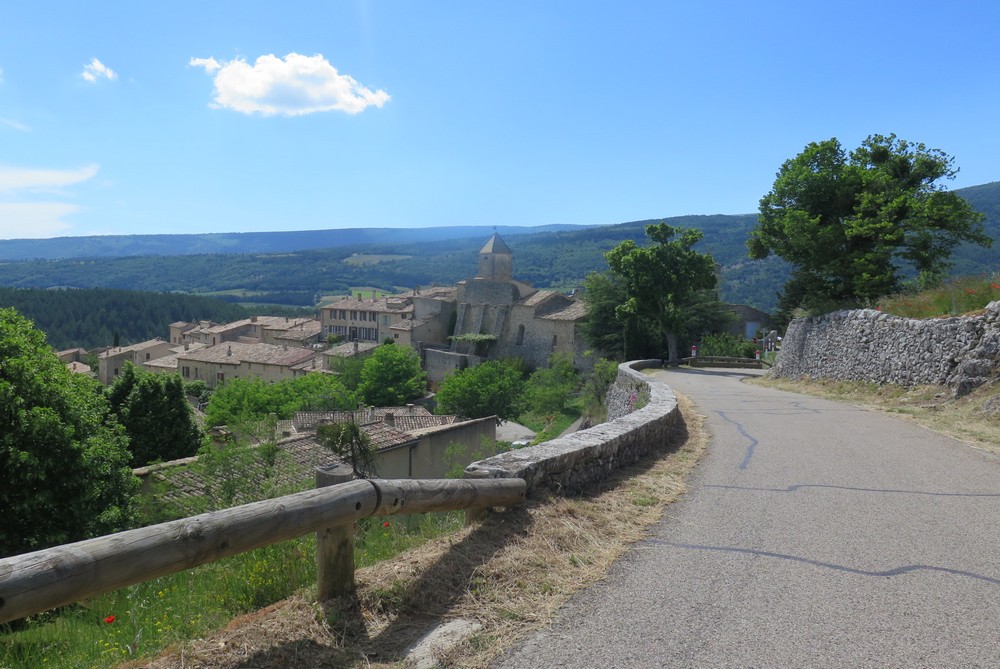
(571, 463)
(867, 345)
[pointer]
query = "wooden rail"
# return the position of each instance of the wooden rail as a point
(39, 581)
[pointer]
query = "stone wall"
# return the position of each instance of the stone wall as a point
(867, 345)
(580, 459)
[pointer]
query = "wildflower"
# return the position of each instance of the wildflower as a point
(109, 620)
(385, 524)
(995, 286)
(970, 291)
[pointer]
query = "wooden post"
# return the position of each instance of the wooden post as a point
(334, 545)
(476, 514)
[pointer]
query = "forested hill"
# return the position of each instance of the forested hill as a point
(556, 259)
(118, 246)
(90, 318)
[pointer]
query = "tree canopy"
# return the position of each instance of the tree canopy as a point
(391, 376)
(156, 415)
(660, 280)
(492, 388)
(853, 224)
(64, 461)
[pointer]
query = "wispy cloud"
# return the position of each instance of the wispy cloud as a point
(293, 86)
(34, 220)
(95, 70)
(23, 212)
(16, 125)
(20, 179)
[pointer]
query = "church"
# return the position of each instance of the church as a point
(499, 317)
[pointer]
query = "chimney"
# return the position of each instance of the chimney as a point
(229, 351)
(355, 342)
(390, 419)
(187, 346)
(253, 319)
(409, 409)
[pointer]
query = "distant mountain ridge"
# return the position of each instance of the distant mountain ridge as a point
(274, 268)
(119, 246)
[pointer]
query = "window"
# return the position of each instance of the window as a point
(197, 373)
(186, 372)
(147, 356)
(354, 315)
(555, 340)
(520, 335)
(220, 378)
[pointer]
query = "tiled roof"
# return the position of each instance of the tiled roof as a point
(409, 324)
(572, 312)
(301, 331)
(235, 352)
(307, 420)
(132, 347)
(412, 423)
(78, 367)
(166, 362)
(347, 350)
(381, 305)
(537, 298)
(496, 245)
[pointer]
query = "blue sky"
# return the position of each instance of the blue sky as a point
(141, 117)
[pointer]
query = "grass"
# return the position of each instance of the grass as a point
(960, 296)
(372, 259)
(143, 619)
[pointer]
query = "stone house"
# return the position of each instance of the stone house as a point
(216, 364)
(112, 361)
(406, 319)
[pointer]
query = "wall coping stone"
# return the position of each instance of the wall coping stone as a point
(572, 462)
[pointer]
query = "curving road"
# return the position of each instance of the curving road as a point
(814, 534)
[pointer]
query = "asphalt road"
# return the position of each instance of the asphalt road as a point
(814, 534)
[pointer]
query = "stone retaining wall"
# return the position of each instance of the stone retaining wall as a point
(867, 345)
(573, 462)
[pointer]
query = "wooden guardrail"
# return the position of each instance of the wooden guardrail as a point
(42, 580)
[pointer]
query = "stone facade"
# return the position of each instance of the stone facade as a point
(525, 322)
(583, 458)
(867, 345)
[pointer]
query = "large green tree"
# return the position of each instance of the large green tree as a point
(660, 280)
(245, 402)
(853, 224)
(391, 376)
(156, 415)
(493, 388)
(64, 459)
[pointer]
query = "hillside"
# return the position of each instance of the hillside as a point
(118, 246)
(558, 258)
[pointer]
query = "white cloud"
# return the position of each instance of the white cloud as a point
(210, 64)
(34, 220)
(293, 86)
(19, 178)
(95, 70)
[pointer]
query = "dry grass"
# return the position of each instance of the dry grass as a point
(510, 573)
(974, 419)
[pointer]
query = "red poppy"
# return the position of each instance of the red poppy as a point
(109, 620)
(385, 524)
